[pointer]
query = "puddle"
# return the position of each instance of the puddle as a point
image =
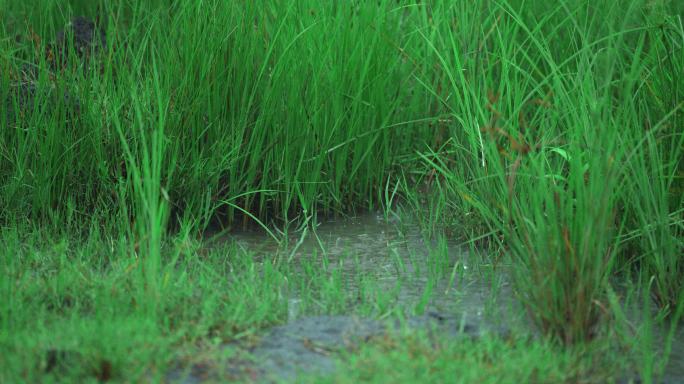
(674, 373)
(309, 344)
(395, 258)
(369, 253)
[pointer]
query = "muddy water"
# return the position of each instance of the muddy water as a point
(674, 372)
(393, 257)
(370, 254)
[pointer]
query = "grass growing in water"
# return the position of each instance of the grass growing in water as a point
(556, 131)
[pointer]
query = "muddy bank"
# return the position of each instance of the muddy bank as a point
(313, 345)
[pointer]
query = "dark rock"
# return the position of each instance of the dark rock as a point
(81, 34)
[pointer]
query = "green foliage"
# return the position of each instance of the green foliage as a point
(548, 132)
(292, 108)
(565, 148)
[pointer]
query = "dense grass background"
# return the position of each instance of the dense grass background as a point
(276, 108)
(553, 133)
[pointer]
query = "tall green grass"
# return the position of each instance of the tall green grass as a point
(271, 108)
(549, 132)
(564, 121)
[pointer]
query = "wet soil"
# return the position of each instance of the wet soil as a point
(312, 345)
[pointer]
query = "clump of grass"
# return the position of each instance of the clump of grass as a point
(652, 197)
(548, 114)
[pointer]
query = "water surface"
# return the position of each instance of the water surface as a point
(462, 297)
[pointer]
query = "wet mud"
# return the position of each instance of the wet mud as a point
(312, 345)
